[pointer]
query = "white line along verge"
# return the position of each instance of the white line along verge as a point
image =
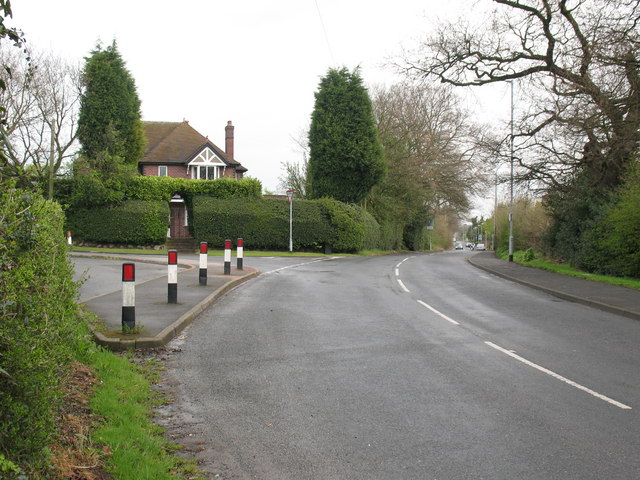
(559, 377)
(402, 286)
(438, 313)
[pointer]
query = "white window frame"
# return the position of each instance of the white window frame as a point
(206, 160)
(166, 170)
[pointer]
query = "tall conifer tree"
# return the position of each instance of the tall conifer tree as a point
(345, 154)
(110, 125)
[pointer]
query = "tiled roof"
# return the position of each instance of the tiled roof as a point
(178, 143)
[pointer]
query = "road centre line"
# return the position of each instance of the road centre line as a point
(402, 286)
(559, 377)
(437, 312)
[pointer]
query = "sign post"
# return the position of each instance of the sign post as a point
(290, 197)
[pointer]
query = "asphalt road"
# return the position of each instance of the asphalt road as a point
(408, 367)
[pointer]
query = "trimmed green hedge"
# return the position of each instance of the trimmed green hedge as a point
(264, 224)
(133, 222)
(39, 326)
(90, 190)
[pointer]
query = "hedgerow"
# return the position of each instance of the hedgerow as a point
(262, 224)
(133, 222)
(39, 327)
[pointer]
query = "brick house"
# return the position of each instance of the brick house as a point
(176, 149)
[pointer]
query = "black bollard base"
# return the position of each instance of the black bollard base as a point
(128, 319)
(203, 276)
(172, 293)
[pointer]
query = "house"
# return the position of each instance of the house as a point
(176, 149)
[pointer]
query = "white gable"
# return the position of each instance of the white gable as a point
(207, 157)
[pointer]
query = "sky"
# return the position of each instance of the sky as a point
(257, 63)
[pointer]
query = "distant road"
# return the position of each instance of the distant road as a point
(408, 367)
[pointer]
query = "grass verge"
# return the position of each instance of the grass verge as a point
(124, 400)
(529, 259)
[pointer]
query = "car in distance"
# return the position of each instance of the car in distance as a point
(459, 246)
(480, 246)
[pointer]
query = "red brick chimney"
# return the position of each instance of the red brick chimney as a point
(228, 139)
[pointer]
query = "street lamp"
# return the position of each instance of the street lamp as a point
(290, 197)
(511, 184)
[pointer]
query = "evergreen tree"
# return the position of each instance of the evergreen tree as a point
(109, 127)
(345, 154)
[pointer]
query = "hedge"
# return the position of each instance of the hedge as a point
(39, 328)
(264, 224)
(90, 190)
(133, 222)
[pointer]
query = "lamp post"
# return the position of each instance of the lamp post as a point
(511, 184)
(290, 197)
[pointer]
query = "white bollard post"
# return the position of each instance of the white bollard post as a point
(128, 296)
(172, 276)
(240, 254)
(203, 263)
(227, 257)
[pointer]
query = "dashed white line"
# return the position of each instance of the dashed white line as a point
(402, 286)
(448, 319)
(559, 377)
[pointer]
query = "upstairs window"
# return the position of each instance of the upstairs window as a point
(163, 171)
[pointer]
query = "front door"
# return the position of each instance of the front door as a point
(178, 225)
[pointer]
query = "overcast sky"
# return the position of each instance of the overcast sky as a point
(254, 62)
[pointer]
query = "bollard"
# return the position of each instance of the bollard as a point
(203, 263)
(172, 276)
(227, 257)
(128, 297)
(69, 241)
(240, 254)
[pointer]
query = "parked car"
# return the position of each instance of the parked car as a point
(459, 246)
(480, 246)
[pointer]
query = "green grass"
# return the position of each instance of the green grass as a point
(124, 399)
(564, 269)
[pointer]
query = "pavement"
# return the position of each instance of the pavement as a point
(609, 298)
(158, 322)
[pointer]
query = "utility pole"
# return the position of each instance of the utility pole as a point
(511, 184)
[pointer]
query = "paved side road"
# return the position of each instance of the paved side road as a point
(610, 298)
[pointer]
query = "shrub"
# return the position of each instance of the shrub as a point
(348, 225)
(133, 222)
(39, 329)
(262, 224)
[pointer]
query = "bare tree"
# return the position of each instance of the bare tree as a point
(294, 175)
(578, 61)
(42, 102)
(430, 145)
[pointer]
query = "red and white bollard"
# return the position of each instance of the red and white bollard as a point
(240, 254)
(172, 276)
(128, 296)
(227, 257)
(203, 263)
(69, 240)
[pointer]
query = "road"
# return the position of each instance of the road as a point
(407, 367)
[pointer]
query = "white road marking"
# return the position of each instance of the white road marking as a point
(402, 286)
(299, 265)
(397, 272)
(438, 313)
(559, 377)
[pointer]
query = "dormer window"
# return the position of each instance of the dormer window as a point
(206, 166)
